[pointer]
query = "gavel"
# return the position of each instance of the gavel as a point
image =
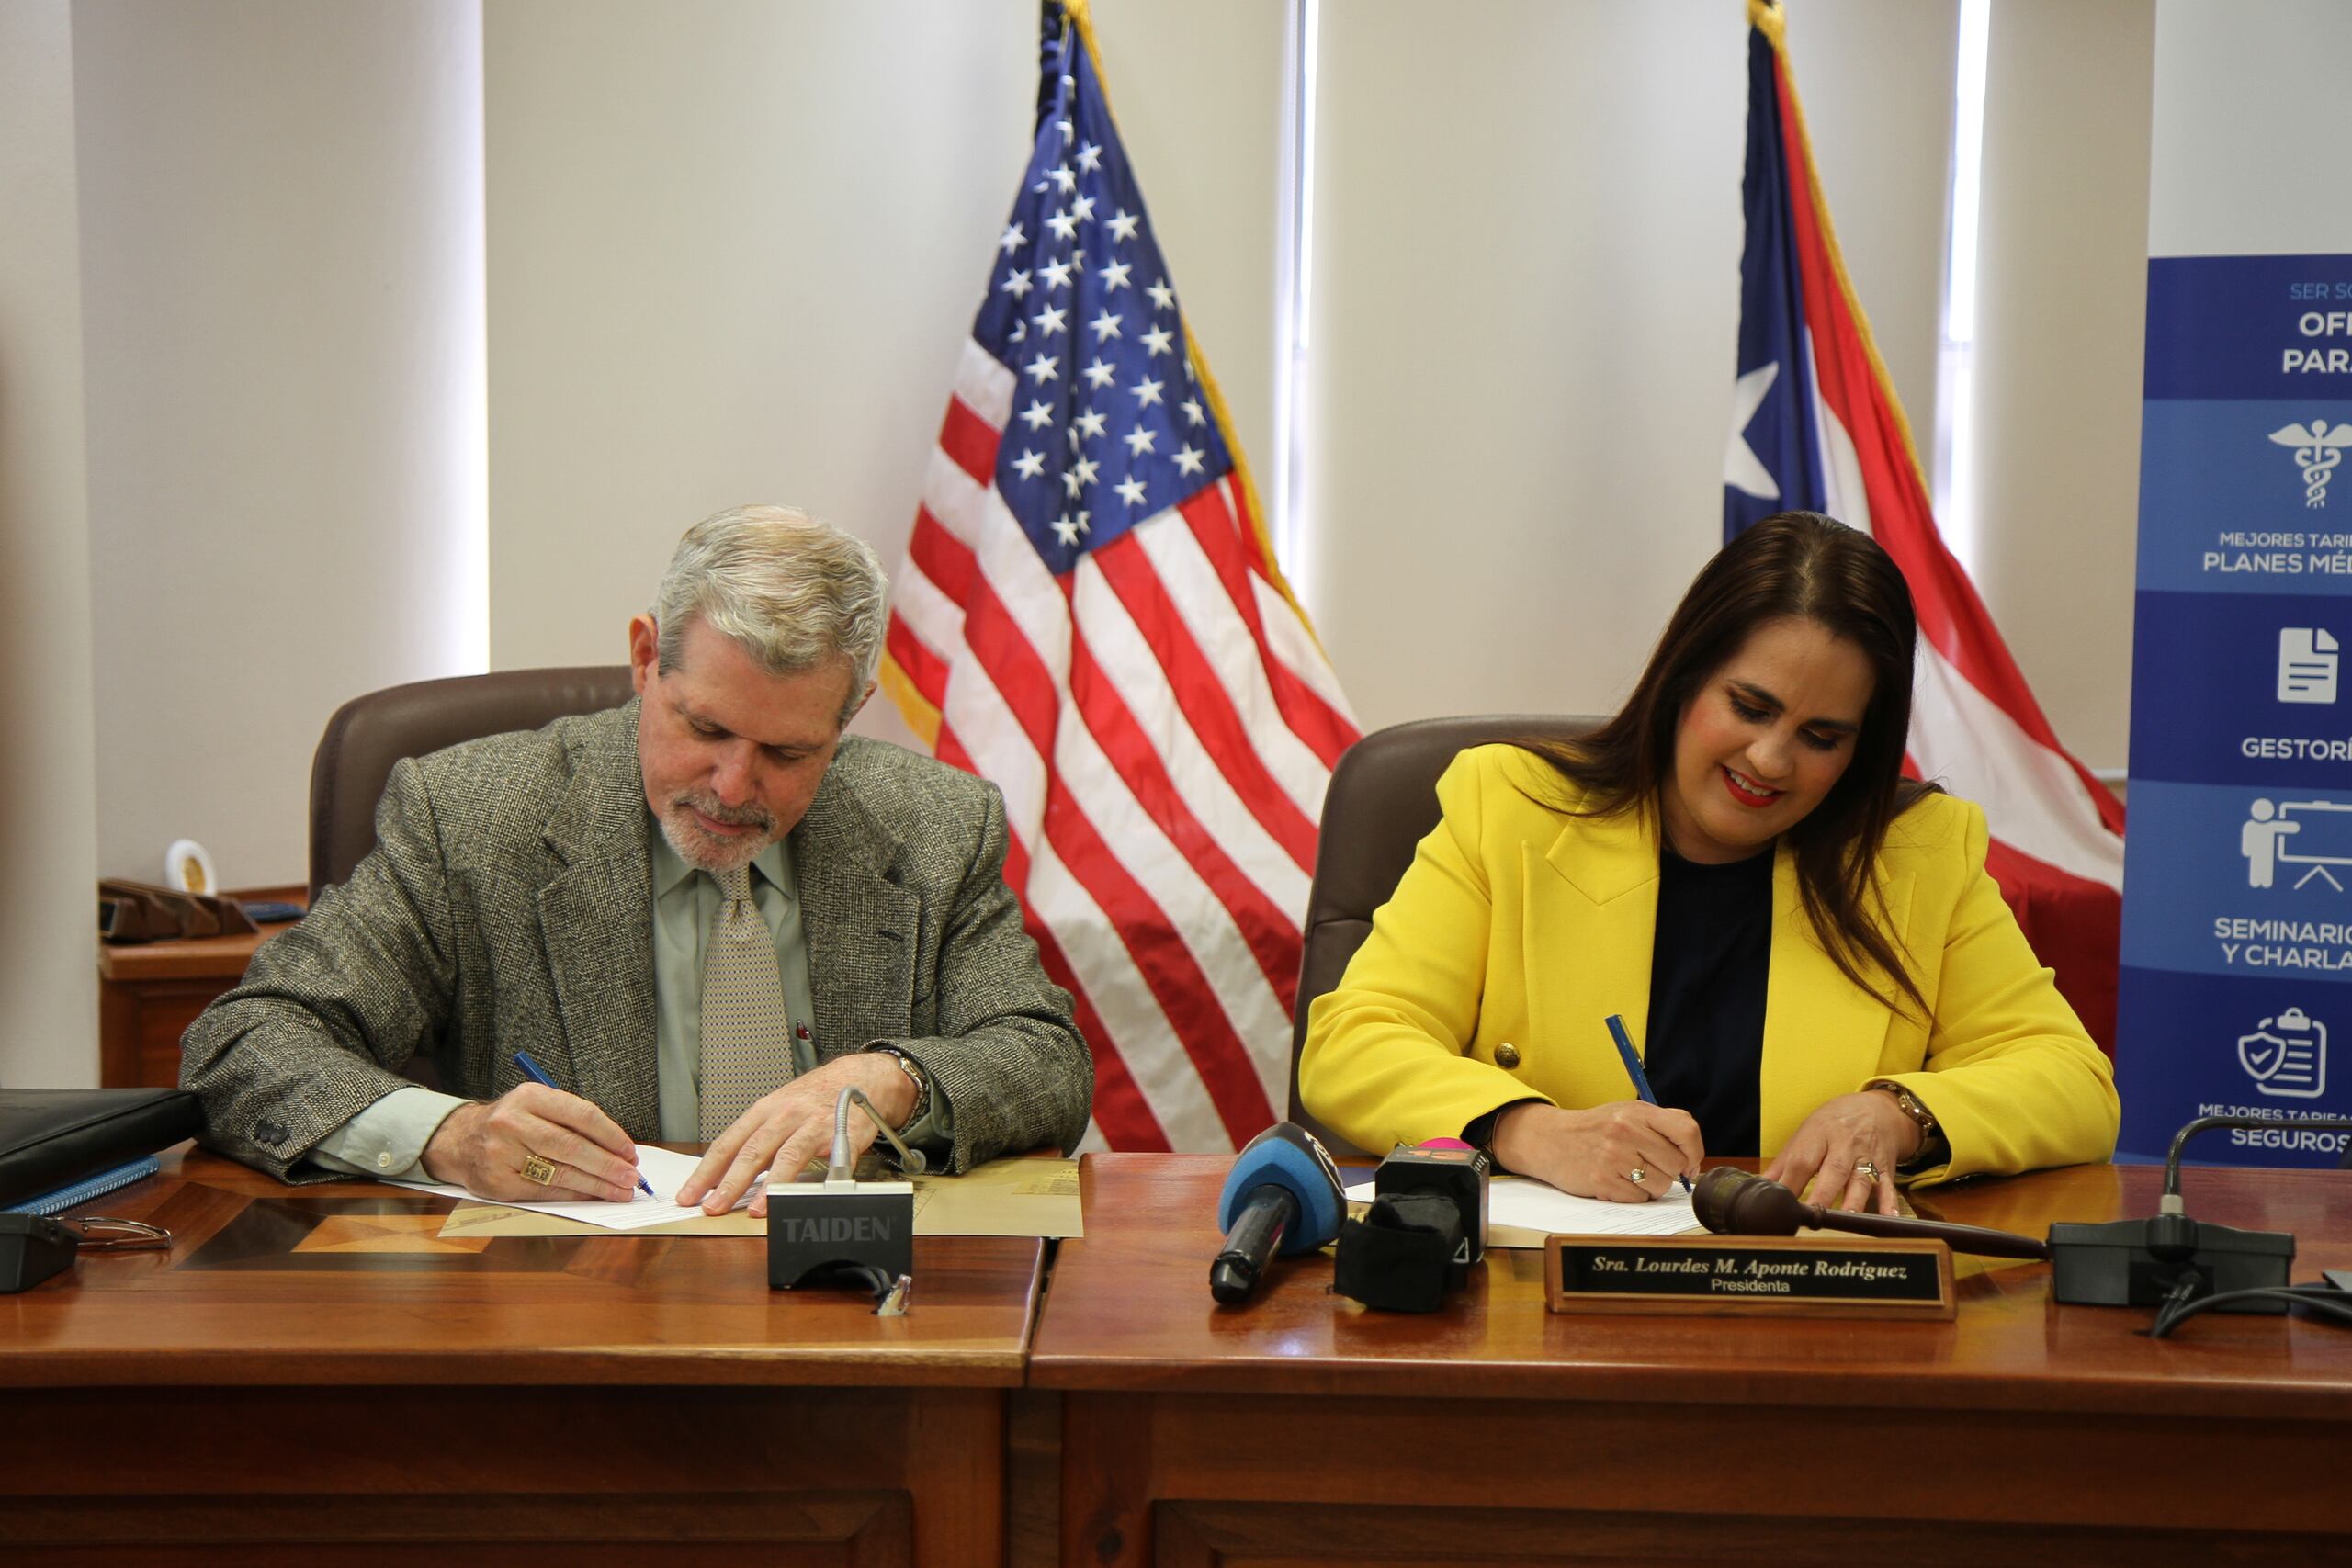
(1735, 1203)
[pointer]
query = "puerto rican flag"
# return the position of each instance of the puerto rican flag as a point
(1815, 426)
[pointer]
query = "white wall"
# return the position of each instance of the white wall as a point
(1876, 83)
(2062, 302)
(735, 249)
(281, 213)
(49, 1007)
(728, 251)
(1526, 299)
(2246, 96)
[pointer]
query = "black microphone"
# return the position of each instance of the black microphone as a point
(1283, 1195)
(1733, 1202)
(1426, 1226)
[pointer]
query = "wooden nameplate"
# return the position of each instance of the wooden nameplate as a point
(1813, 1275)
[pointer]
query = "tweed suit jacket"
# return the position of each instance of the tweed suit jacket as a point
(508, 906)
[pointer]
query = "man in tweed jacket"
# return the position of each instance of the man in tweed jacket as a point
(509, 906)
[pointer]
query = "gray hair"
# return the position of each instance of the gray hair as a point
(793, 593)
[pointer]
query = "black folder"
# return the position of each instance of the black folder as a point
(50, 1137)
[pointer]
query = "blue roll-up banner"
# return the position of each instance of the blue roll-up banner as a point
(2236, 995)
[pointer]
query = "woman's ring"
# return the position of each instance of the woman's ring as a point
(1636, 1174)
(1866, 1169)
(538, 1170)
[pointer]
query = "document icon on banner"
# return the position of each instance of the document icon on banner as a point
(2287, 1056)
(2307, 662)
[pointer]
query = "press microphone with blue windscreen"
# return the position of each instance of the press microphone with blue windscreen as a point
(1283, 1195)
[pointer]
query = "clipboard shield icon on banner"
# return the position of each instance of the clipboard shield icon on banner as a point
(2287, 1056)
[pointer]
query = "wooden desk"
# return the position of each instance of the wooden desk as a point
(1303, 1428)
(149, 992)
(297, 1382)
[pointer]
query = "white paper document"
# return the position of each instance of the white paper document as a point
(1527, 1204)
(664, 1171)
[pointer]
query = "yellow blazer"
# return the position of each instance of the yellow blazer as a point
(1521, 924)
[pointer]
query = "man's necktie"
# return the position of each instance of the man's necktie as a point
(746, 1038)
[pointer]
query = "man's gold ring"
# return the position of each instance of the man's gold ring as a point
(1866, 1169)
(1636, 1174)
(537, 1170)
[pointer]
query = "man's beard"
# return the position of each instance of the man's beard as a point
(705, 851)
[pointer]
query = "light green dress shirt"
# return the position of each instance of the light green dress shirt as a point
(388, 1137)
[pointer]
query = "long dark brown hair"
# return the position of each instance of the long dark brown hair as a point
(1803, 564)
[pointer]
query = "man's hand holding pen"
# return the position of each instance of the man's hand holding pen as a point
(502, 1149)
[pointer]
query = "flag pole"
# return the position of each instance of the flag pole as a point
(1051, 25)
(1767, 18)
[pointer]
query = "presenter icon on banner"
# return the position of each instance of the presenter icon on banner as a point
(2307, 664)
(2287, 1056)
(2274, 836)
(2258, 841)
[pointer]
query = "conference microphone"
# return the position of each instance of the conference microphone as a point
(1283, 1195)
(1735, 1203)
(2185, 1266)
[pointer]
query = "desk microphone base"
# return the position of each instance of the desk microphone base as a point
(2111, 1265)
(817, 1232)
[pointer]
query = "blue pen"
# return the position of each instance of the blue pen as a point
(539, 1075)
(1634, 1071)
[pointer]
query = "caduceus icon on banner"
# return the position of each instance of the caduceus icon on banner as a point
(2319, 447)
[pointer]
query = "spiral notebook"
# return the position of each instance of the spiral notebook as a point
(50, 1204)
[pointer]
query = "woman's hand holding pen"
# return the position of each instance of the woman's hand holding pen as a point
(1595, 1153)
(1853, 1145)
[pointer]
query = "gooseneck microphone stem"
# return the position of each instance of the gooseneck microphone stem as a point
(839, 1166)
(2170, 1203)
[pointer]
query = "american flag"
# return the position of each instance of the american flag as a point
(1816, 425)
(1089, 615)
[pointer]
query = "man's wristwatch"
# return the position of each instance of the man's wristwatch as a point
(1932, 1145)
(915, 1076)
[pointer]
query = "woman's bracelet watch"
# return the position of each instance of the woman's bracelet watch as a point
(1933, 1145)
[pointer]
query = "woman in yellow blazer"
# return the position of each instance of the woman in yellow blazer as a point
(1735, 857)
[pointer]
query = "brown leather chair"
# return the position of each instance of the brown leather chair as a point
(1382, 802)
(368, 734)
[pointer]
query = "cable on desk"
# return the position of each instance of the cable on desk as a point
(889, 1295)
(2325, 1300)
